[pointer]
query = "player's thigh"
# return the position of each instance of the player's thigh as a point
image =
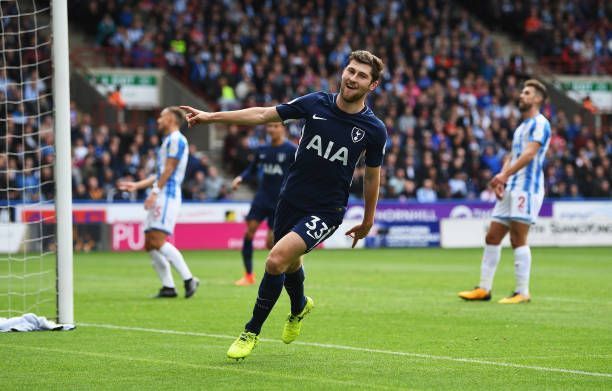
(496, 232)
(518, 233)
(154, 239)
(284, 253)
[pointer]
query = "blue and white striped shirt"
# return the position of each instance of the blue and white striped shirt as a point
(531, 177)
(174, 146)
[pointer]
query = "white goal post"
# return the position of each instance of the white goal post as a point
(63, 157)
(36, 254)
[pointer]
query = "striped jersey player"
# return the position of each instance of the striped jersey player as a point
(163, 204)
(520, 191)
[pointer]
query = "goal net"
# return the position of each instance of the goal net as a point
(34, 150)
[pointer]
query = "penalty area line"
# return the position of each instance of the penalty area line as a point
(358, 349)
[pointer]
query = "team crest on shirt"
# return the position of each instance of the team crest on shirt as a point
(280, 157)
(357, 134)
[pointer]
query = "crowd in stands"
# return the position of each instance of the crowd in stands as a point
(571, 36)
(102, 156)
(447, 97)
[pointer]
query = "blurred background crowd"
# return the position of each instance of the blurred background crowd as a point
(447, 96)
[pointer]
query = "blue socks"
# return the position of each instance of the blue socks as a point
(247, 254)
(270, 289)
(294, 284)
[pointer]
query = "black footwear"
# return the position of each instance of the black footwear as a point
(191, 286)
(166, 292)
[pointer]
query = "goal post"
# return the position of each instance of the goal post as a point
(36, 250)
(63, 156)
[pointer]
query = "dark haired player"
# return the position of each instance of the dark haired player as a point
(339, 129)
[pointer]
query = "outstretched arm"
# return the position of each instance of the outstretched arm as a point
(133, 186)
(250, 116)
(371, 184)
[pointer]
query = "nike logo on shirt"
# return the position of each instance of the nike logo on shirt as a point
(314, 116)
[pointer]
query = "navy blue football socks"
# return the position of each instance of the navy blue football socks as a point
(294, 284)
(270, 289)
(247, 254)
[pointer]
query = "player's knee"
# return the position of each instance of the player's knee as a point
(276, 263)
(492, 238)
(517, 241)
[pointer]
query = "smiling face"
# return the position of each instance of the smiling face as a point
(356, 81)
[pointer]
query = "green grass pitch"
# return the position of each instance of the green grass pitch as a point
(383, 319)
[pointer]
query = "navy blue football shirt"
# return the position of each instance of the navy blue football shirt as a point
(331, 144)
(274, 162)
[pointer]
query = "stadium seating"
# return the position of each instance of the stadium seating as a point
(447, 96)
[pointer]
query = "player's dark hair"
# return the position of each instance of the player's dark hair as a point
(539, 87)
(179, 115)
(365, 57)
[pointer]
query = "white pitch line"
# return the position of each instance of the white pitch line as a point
(358, 349)
(195, 366)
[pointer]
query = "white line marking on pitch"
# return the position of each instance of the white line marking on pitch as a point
(196, 366)
(357, 349)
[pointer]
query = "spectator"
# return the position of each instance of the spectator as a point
(215, 185)
(426, 193)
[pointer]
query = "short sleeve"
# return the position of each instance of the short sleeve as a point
(539, 132)
(176, 147)
(375, 149)
(297, 108)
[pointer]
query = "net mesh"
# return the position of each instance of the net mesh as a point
(27, 230)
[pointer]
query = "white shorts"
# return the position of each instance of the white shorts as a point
(518, 206)
(163, 216)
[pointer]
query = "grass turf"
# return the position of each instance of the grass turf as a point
(398, 308)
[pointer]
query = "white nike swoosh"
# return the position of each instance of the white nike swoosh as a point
(314, 116)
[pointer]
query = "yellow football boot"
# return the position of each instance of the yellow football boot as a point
(243, 345)
(293, 325)
(475, 294)
(516, 298)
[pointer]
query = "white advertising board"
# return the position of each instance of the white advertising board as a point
(465, 233)
(339, 240)
(11, 237)
(582, 209)
(134, 212)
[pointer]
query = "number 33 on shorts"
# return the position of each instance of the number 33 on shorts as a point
(316, 228)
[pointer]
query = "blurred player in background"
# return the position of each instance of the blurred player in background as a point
(164, 202)
(520, 192)
(338, 130)
(274, 160)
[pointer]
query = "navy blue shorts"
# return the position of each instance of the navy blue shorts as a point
(313, 228)
(260, 213)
